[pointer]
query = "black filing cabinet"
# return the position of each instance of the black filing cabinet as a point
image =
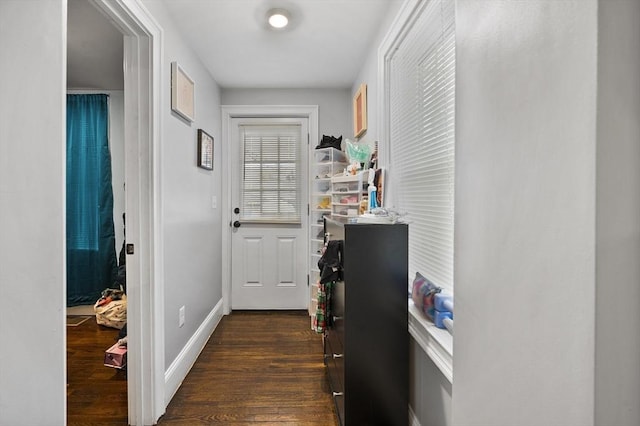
(366, 345)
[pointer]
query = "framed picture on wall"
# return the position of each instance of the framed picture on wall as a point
(205, 150)
(182, 93)
(360, 111)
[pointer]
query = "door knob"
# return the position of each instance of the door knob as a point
(236, 224)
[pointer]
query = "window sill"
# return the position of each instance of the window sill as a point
(435, 342)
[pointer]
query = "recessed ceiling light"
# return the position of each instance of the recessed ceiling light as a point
(278, 18)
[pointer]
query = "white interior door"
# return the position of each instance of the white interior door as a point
(269, 199)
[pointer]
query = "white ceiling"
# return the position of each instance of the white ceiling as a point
(324, 47)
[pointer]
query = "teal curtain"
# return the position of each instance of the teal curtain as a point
(91, 255)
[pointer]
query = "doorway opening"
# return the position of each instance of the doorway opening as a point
(95, 197)
(142, 46)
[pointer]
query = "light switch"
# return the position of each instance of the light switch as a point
(214, 202)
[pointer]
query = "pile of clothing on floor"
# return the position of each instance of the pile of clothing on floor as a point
(111, 308)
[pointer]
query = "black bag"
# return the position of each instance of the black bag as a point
(330, 142)
(330, 264)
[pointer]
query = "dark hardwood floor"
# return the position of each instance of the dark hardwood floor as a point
(257, 368)
(96, 395)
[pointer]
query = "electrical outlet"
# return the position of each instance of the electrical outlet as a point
(181, 317)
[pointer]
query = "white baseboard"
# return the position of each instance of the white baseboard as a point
(413, 420)
(181, 366)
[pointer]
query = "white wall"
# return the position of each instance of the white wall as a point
(525, 213)
(369, 75)
(192, 229)
(617, 380)
(429, 390)
(32, 221)
(334, 111)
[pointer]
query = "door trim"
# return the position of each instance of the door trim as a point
(250, 111)
(143, 49)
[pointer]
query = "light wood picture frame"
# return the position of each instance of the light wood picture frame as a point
(205, 150)
(360, 111)
(182, 93)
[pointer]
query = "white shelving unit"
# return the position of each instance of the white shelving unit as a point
(325, 163)
(348, 193)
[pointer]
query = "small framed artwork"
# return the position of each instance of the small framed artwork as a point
(182, 93)
(205, 150)
(360, 111)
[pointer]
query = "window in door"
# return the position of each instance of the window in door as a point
(271, 173)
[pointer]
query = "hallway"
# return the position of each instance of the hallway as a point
(258, 367)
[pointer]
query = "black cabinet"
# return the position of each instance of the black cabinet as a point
(367, 340)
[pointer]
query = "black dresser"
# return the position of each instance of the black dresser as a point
(366, 345)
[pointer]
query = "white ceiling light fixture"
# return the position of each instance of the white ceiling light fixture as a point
(278, 18)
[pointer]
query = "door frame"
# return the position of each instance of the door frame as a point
(143, 49)
(250, 111)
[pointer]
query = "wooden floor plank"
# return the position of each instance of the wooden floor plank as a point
(258, 367)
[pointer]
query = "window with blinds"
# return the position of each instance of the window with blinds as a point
(271, 173)
(421, 88)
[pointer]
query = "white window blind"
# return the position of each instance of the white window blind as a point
(271, 173)
(421, 84)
